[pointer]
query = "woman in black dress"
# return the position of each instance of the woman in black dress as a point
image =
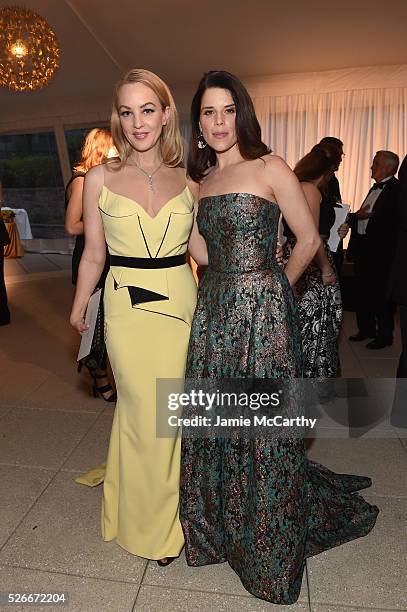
(96, 148)
(317, 291)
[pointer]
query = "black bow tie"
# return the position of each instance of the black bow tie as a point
(378, 185)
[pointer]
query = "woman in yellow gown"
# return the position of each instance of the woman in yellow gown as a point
(144, 209)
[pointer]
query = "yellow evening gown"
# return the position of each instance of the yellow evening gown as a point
(148, 314)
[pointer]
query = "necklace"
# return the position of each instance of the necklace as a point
(149, 175)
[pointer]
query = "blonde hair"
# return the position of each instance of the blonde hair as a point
(171, 142)
(95, 150)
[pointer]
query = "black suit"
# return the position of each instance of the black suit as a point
(398, 293)
(373, 255)
(4, 311)
(330, 196)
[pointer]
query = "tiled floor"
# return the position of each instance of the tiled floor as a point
(51, 429)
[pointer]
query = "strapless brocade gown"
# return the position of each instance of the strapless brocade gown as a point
(257, 503)
(148, 314)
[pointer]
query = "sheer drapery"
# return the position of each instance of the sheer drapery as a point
(365, 120)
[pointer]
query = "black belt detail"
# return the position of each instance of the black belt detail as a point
(139, 295)
(148, 263)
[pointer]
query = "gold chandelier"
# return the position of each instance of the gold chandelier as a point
(29, 50)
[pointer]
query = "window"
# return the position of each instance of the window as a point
(31, 175)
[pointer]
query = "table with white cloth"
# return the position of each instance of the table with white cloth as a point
(22, 221)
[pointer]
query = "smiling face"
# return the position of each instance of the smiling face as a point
(141, 115)
(218, 119)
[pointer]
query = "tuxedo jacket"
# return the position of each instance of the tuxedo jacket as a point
(398, 280)
(378, 246)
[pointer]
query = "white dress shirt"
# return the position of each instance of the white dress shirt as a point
(368, 205)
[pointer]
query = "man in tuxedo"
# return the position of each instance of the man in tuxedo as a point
(372, 245)
(398, 293)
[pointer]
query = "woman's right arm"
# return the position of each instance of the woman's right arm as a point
(94, 254)
(294, 208)
(73, 216)
(313, 197)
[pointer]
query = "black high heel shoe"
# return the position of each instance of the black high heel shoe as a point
(167, 562)
(99, 391)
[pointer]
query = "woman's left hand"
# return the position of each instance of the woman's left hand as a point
(343, 230)
(328, 276)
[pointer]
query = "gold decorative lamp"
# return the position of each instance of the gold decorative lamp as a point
(29, 50)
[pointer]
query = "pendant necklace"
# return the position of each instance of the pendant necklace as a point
(149, 175)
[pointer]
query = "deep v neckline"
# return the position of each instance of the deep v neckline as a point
(119, 195)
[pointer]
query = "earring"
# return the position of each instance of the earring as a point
(201, 141)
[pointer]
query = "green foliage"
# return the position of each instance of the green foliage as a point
(31, 171)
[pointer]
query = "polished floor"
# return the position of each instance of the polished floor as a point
(51, 429)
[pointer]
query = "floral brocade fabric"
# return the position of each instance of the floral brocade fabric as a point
(258, 504)
(320, 314)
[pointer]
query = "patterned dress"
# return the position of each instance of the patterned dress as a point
(319, 307)
(320, 314)
(257, 503)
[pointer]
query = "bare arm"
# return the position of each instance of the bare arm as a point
(295, 210)
(94, 254)
(197, 245)
(313, 197)
(73, 216)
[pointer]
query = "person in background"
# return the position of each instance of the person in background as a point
(317, 291)
(4, 240)
(372, 245)
(96, 149)
(331, 196)
(398, 293)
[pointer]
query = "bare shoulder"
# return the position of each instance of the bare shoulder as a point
(76, 184)
(78, 180)
(310, 190)
(276, 164)
(94, 181)
(95, 177)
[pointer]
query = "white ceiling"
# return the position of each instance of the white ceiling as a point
(181, 39)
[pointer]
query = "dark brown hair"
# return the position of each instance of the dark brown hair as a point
(248, 129)
(326, 145)
(332, 140)
(322, 160)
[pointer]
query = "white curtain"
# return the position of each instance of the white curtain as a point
(365, 120)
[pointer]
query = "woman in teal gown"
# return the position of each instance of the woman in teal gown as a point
(255, 502)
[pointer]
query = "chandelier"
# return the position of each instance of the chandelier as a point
(29, 50)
